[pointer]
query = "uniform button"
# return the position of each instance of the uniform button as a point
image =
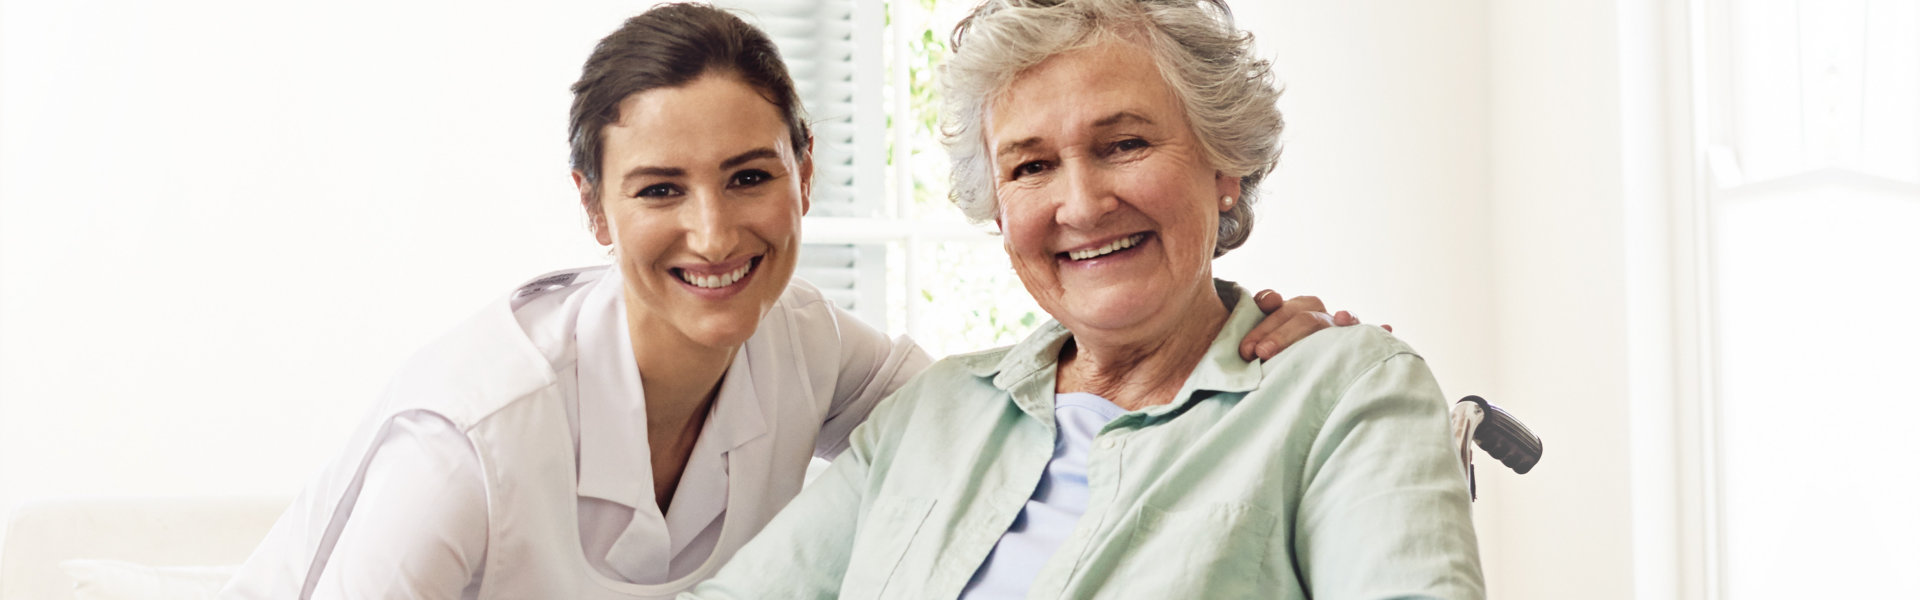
(1106, 444)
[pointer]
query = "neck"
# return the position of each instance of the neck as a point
(679, 379)
(1146, 369)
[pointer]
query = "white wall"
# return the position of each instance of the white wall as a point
(1585, 284)
(1380, 203)
(1559, 276)
(223, 223)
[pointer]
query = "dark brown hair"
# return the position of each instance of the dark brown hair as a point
(669, 46)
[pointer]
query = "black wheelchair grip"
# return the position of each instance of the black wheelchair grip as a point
(1505, 438)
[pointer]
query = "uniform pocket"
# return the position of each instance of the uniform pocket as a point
(882, 541)
(1207, 551)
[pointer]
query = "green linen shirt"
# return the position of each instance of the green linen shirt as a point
(1327, 472)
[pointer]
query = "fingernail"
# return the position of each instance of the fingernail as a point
(1269, 348)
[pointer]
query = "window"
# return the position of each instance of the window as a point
(882, 239)
(1813, 197)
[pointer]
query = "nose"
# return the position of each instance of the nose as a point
(1089, 196)
(711, 233)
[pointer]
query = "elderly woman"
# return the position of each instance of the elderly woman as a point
(1124, 450)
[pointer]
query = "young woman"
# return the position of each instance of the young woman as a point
(619, 431)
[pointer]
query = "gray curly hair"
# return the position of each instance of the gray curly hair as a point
(1229, 95)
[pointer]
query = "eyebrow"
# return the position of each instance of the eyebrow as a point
(1010, 147)
(1122, 117)
(655, 172)
(1107, 121)
(748, 156)
(730, 163)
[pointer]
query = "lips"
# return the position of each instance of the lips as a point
(715, 280)
(1105, 249)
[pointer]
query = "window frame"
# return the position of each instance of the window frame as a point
(882, 91)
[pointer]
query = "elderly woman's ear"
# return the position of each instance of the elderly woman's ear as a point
(1229, 190)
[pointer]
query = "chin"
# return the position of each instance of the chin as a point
(719, 336)
(1112, 311)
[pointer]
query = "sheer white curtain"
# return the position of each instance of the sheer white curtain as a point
(1814, 201)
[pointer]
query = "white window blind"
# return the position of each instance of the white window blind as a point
(822, 42)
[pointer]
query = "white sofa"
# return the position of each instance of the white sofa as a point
(129, 547)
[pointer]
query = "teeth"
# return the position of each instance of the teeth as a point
(716, 281)
(1110, 248)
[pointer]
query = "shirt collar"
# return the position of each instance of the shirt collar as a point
(1221, 369)
(615, 464)
(1022, 368)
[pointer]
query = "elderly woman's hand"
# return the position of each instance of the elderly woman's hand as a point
(1289, 321)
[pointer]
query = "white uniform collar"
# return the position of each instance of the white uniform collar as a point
(613, 415)
(614, 459)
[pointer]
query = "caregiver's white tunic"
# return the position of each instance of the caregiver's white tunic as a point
(509, 459)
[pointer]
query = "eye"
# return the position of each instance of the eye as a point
(1035, 167)
(750, 178)
(659, 190)
(1128, 145)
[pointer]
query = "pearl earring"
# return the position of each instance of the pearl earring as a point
(1226, 203)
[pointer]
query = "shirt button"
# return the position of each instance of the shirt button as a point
(1106, 444)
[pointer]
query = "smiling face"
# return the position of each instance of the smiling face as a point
(701, 200)
(1108, 205)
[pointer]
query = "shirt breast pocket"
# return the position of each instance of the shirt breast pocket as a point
(1207, 551)
(885, 534)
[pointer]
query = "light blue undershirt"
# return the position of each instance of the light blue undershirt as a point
(1055, 506)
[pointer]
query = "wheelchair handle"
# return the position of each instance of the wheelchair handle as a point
(1505, 438)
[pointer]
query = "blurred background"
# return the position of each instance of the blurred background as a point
(1676, 238)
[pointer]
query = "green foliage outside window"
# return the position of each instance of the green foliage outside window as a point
(967, 291)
